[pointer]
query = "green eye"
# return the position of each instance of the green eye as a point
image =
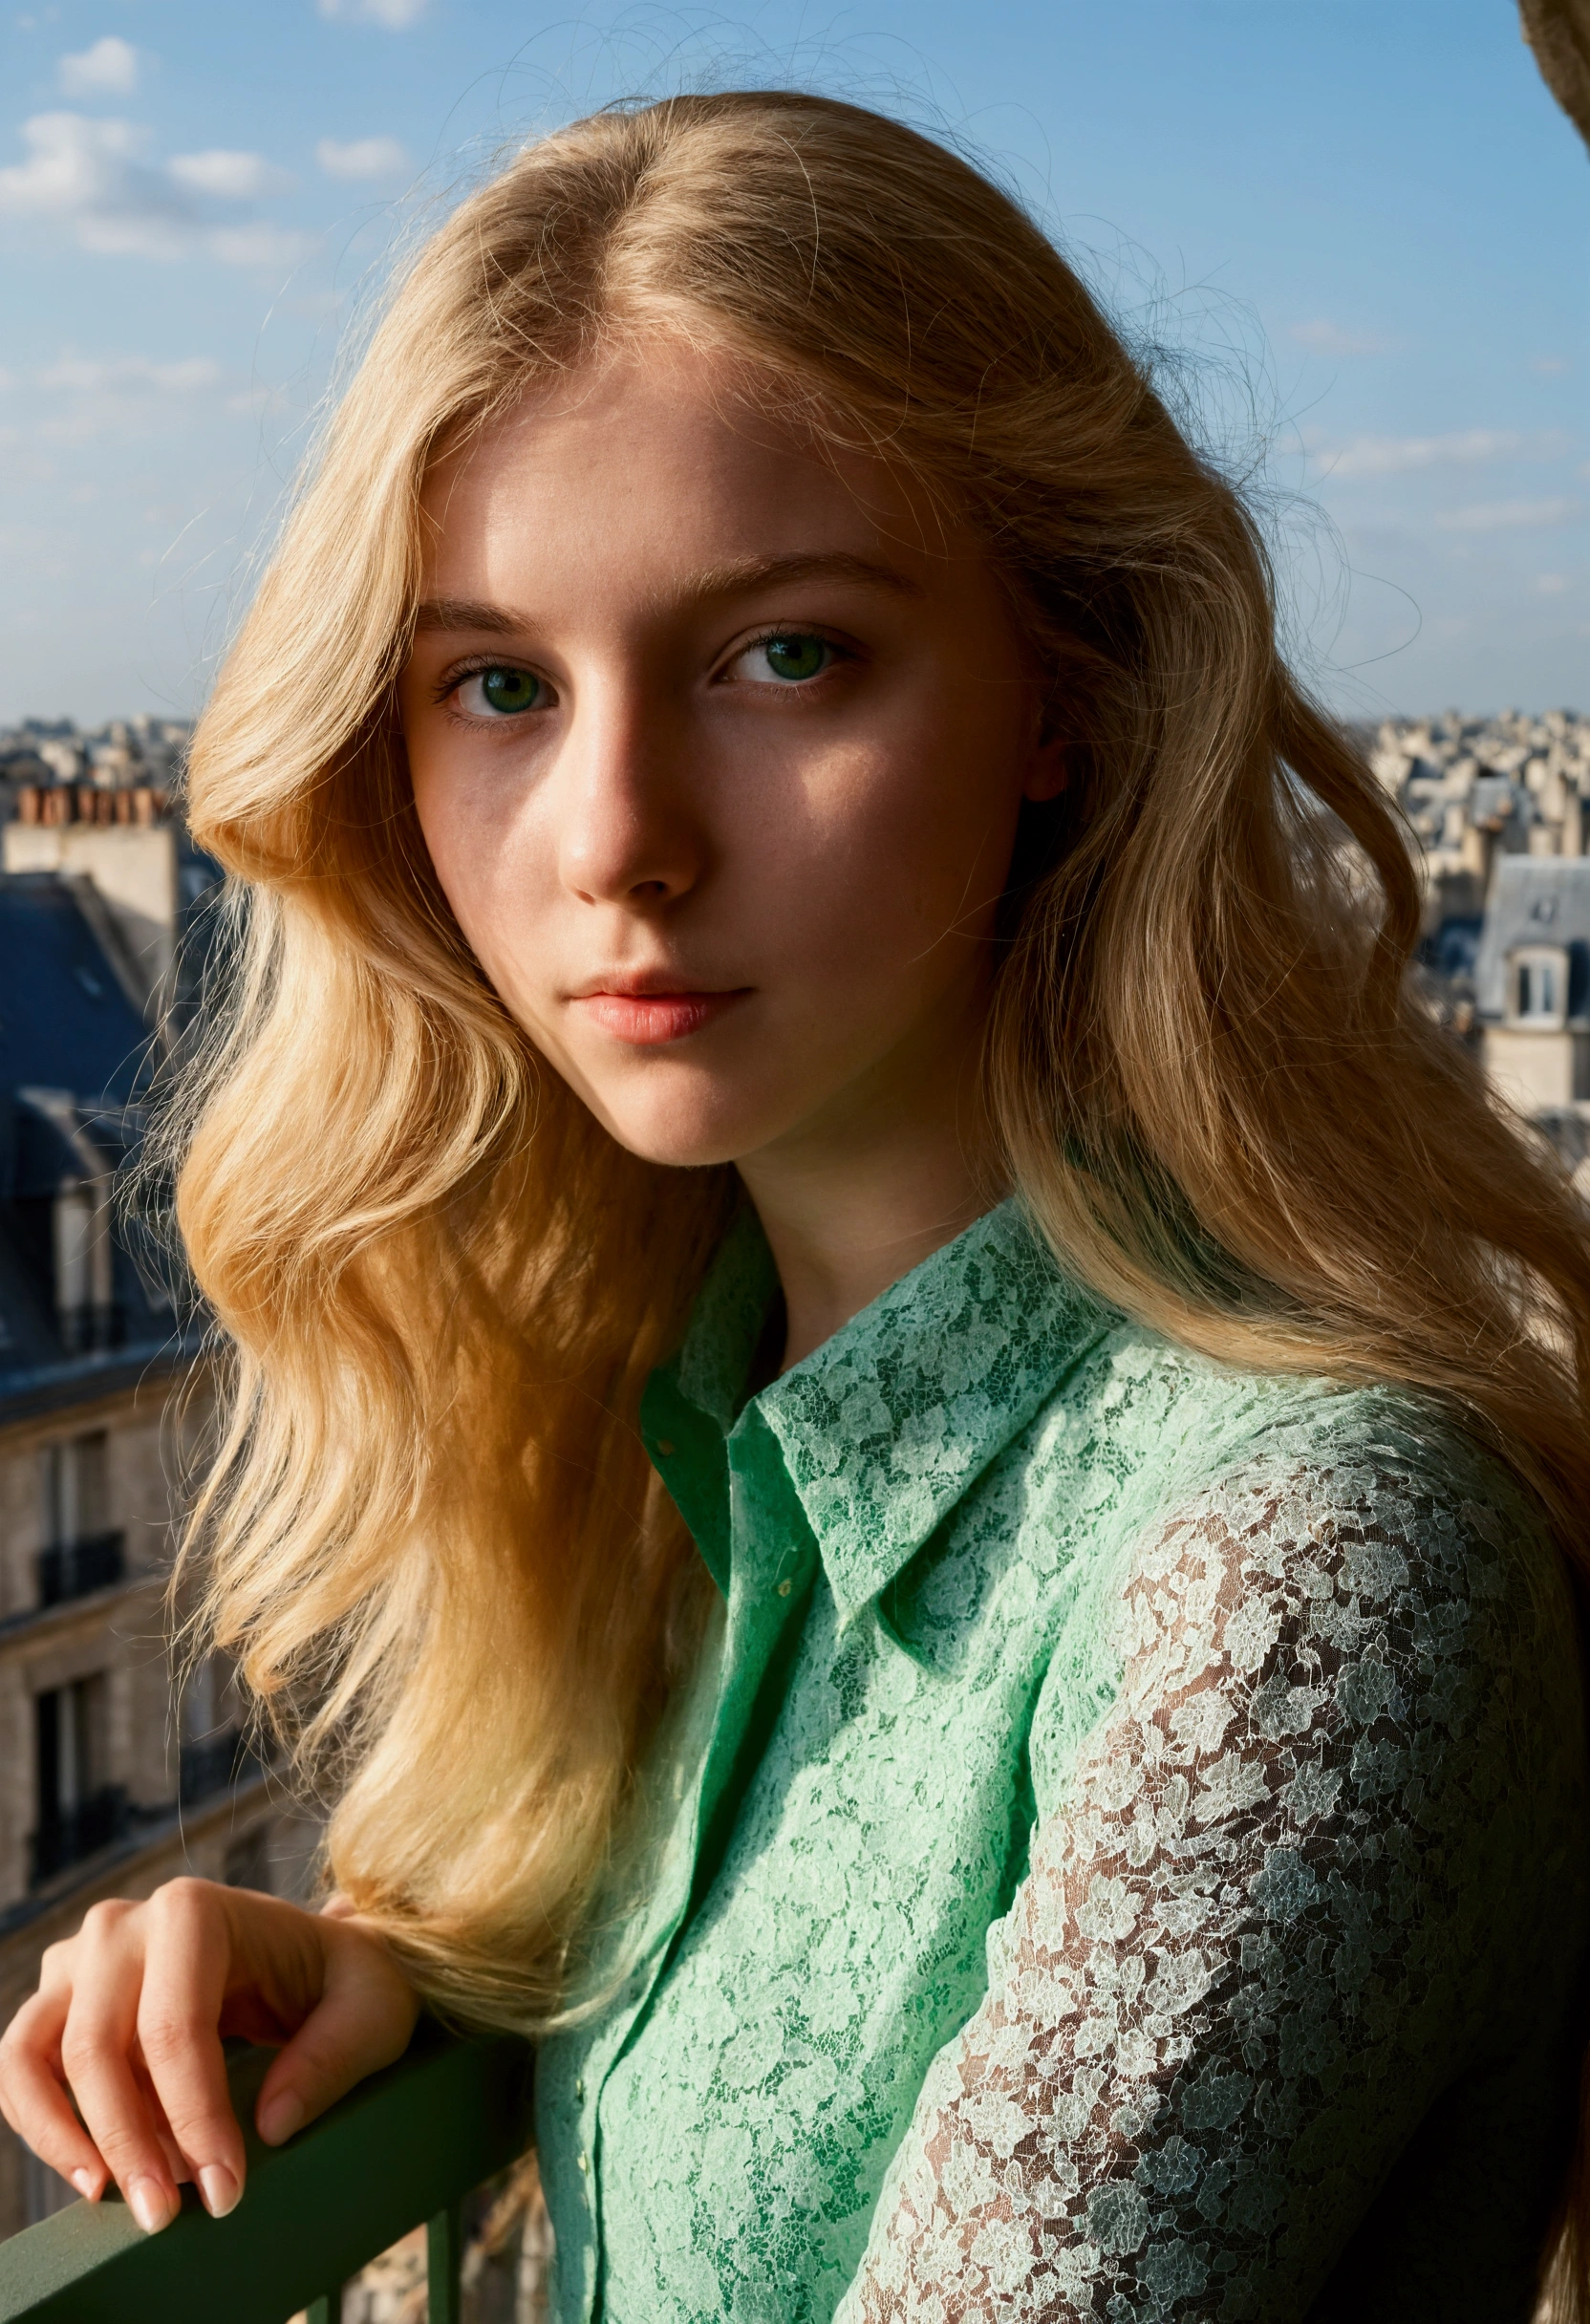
(506, 691)
(795, 656)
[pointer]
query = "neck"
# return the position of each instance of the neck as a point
(852, 1203)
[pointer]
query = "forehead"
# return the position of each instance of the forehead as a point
(659, 460)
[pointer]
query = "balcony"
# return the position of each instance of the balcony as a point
(74, 1568)
(91, 1327)
(403, 2148)
(74, 1833)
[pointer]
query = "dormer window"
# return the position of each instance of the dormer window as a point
(1537, 988)
(78, 1167)
(84, 1277)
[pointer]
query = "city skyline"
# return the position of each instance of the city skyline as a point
(1366, 299)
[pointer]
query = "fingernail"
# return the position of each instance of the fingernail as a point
(284, 2114)
(219, 2188)
(153, 2205)
(86, 2183)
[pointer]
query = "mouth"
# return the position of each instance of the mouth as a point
(648, 1012)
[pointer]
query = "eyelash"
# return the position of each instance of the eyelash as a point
(452, 680)
(449, 685)
(792, 628)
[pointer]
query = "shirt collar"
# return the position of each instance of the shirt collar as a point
(885, 1427)
(726, 1322)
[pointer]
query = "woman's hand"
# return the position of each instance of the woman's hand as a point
(129, 2018)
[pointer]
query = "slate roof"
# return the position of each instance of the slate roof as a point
(1535, 899)
(74, 1061)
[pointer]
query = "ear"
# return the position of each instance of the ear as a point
(1047, 772)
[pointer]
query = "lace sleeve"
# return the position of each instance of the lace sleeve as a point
(1249, 1946)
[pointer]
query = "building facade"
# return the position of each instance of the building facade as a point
(1532, 983)
(112, 1778)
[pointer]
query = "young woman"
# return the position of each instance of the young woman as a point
(911, 1441)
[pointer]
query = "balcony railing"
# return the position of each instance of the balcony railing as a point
(74, 1568)
(404, 2147)
(74, 1833)
(91, 1329)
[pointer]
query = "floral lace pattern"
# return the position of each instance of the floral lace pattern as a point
(1127, 1860)
(1280, 1907)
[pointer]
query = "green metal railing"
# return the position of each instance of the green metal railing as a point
(405, 2146)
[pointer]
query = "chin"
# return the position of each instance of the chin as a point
(684, 1136)
(677, 1148)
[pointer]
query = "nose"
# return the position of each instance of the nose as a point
(628, 830)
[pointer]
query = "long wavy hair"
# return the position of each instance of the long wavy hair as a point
(431, 1539)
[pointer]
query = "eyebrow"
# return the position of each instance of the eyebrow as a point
(466, 614)
(746, 574)
(737, 578)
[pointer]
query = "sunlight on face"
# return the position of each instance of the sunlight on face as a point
(718, 753)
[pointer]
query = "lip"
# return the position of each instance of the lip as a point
(648, 1012)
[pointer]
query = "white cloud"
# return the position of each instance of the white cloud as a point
(95, 177)
(1506, 516)
(274, 247)
(107, 69)
(1551, 584)
(362, 158)
(393, 15)
(1404, 455)
(1327, 338)
(1551, 366)
(232, 177)
(253, 402)
(125, 397)
(91, 173)
(129, 375)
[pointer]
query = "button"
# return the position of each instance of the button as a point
(579, 2087)
(584, 2161)
(664, 1446)
(784, 1588)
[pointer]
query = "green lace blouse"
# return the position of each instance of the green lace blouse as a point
(1125, 1856)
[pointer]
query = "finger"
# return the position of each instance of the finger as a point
(174, 2160)
(96, 2045)
(186, 1963)
(33, 2100)
(363, 2021)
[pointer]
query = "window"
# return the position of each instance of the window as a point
(71, 1746)
(1537, 987)
(81, 1551)
(78, 1810)
(84, 1265)
(211, 1756)
(77, 1486)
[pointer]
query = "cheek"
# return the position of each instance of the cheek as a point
(482, 869)
(902, 845)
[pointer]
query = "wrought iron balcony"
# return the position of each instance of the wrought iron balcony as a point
(70, 1834)
(74, 1568)
(91, 1329)
(404, 2147)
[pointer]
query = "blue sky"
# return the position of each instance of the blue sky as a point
(1359, 230)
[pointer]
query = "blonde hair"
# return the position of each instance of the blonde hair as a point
(431, 1537)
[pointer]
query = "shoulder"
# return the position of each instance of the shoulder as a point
(1348, 1561)
(1378, 1491)
(1367, 1583)
(1146, 1444)
(1182, 1437)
